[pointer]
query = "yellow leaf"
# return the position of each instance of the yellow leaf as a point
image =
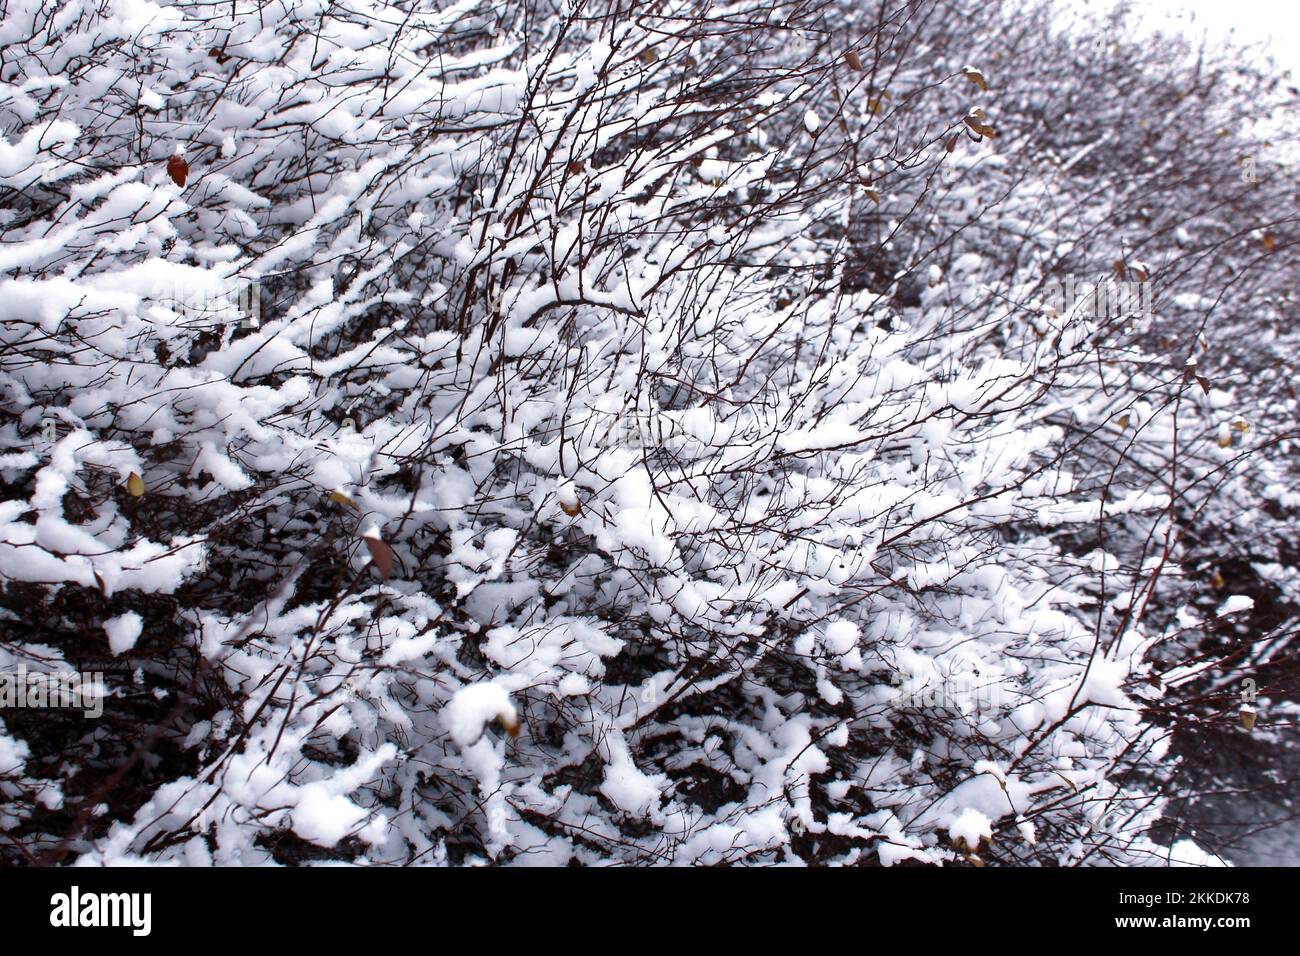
(135, 485)
(1248, 717)
(339, 498)
(976, 77)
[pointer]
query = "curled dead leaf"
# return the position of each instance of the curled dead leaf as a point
(976, 77)
(976, 120)
(853, 60)
(571, 510)
(135, 485)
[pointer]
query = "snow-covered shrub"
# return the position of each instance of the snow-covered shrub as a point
(544, 433)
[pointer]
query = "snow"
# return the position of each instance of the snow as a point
(322, 817)
(969, 829)
(123, 632)
(841, 636)
(1235, 604)
(628, 788)
(1187, 853)
(475, 706)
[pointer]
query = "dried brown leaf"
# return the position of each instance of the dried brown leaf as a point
(976, 77)
(381, 554)
(178, 169)
(975, 120)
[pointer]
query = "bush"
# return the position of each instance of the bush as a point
(579, 433)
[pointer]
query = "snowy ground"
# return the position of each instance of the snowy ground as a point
(1250, 816)
(1275, 845)
(1279, 846)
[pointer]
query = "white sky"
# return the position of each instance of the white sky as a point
(1274, 21)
